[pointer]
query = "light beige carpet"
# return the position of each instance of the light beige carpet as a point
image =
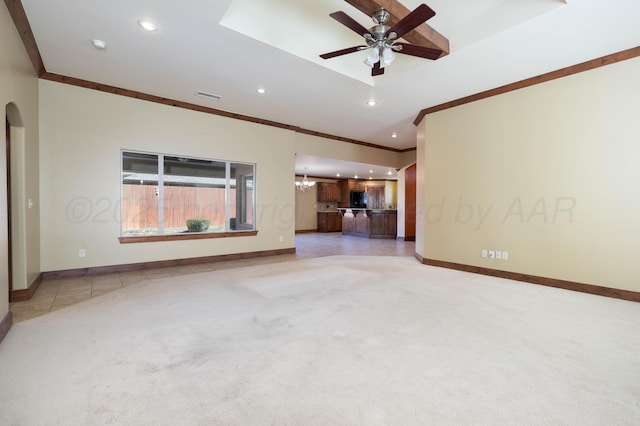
(328, 341)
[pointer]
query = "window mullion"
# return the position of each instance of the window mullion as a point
(160, 194)
(227, 196)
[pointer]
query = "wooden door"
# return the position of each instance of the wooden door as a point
(410, 204)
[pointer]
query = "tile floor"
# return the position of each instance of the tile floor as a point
(57, 294)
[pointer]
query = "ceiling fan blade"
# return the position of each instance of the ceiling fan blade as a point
(418, 16)
(349, 22)
(376, 70)
(342, 52)
(419, 51)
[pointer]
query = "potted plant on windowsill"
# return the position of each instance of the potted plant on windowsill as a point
(198, 225)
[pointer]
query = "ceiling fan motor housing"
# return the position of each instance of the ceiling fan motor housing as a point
(381, 16)
(376, 36)
(380, 29)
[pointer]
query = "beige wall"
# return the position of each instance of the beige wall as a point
(83, 132)
(407, 158)
(421, 199)
(548, 173)
(329, 148)
(391, 194)
(19, 98)
(306, 208)
(307, 205)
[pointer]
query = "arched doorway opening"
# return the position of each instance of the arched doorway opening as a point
(13, 119)
(8, 174)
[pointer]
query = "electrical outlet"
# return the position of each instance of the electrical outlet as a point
(492, 254)
(505, 255)
(82, 253)
(484, 253)
(280, 238)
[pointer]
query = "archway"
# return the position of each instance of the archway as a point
(13, 119)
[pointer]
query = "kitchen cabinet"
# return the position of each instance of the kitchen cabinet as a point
(383, 223)
(329, 222)
(346, 187)
(357, 185)
(344, 193)
(329, 192)
(375, 197)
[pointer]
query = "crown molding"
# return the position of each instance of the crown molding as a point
(553, 75)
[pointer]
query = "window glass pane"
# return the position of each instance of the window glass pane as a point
(193, 189)
(139, 193)
(165, 194)
(242, 196)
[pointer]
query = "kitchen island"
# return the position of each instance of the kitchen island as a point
(369, 223)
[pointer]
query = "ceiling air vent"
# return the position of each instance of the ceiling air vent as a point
(209, 95)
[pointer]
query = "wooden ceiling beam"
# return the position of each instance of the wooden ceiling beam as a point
(19, 17)
(423, 35)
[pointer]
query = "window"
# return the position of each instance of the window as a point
(161, 193)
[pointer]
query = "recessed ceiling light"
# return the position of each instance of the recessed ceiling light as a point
(355, 177)
(370, 177)
(99, 44)
(337, 174)
(389, 173)
(370, 171)
(261, 90)
(147, 25)
(371, 102)
(394, 135)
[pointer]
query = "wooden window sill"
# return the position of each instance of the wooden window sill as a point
(185, 236)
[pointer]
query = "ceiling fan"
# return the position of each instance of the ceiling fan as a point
(383, 40)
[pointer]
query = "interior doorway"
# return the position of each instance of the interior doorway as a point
(8, 172)
(410, 204)
(16, 240)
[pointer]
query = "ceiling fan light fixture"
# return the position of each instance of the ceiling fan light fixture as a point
(387, 57)
(372, 57)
